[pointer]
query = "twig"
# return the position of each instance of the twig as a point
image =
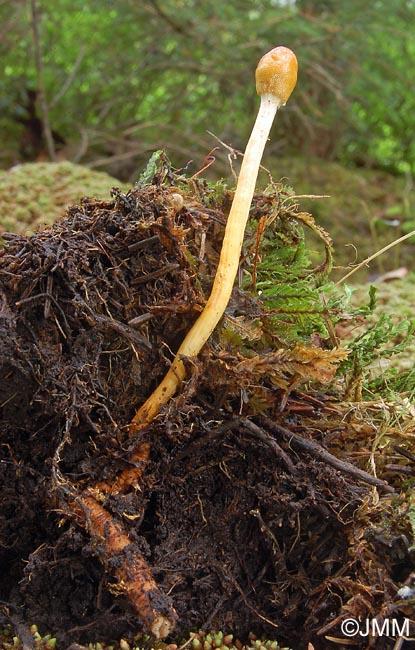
(143, 243)
(372, 257)
(251, 607)
(159, 273)
(193, 635)
(316, 450)
(232, 155)
(65, 330)
(126, 155)
(400, 469)
(404, 452)
(175, 26)
(259, 433)
(137, 321)
(104, 322)
(107, 322)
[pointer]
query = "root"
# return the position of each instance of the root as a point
(122, 556)
(119, 553)
(130, 477)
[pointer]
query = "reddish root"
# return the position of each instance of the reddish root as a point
(131, 477)
(126, 562)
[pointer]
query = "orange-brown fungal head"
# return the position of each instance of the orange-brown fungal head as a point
(276, 73)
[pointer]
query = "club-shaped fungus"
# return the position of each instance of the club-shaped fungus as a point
(276, 76)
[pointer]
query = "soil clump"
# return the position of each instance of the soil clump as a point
(245, 528)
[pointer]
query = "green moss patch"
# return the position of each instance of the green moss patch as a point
(36, 194)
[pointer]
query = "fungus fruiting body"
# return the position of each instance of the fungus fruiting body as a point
(276, 76)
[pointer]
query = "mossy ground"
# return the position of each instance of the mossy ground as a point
(196, 641)
(366, 209)
(396, 298)
(36, 194)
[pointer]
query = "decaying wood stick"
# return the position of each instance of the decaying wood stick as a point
(316, 450)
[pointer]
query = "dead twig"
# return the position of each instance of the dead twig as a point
(103, 322)
(317, 451)
(159, 273)
(70, 78)
(366, 261)
(49, 298)
(262, 435)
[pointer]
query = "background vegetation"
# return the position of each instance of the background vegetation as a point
(104, 84)
(121, 78)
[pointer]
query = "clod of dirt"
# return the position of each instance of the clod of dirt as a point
(244, 530)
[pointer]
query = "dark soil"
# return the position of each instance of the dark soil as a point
(244, 531)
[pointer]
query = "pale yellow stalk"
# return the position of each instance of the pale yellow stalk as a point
(276, 77)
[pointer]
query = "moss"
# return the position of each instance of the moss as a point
(35, 194)
(397, 300)
(366, 209)
(196, 641)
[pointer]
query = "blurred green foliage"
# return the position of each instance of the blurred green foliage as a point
(125, 77)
